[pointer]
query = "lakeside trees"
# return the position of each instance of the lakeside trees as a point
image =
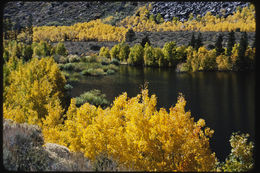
(162, 140)
(189, 58)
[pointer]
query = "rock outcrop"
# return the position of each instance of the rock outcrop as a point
(182, 10)
(24, 150)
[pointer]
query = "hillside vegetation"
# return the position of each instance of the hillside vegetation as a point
(242, 20)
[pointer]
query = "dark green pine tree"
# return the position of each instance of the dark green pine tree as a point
(192, 41)
(218, 44)
(145, 40)
(130, 35)
(242, 61)
(7, 25)
(254, 43)
(30, 28)
(198, 42)
(231, 42)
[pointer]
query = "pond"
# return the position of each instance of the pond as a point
(225, 100)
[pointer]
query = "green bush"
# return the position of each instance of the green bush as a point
(124, 51)
(60, 49)
(68, 87)
(110, 71)
(159, 57)
(27, 52)
(113, 67)
(114, 61)
(93, 72)
(94, 97)
(183, 67)
(241, 157)
(149, 59)
(168, 52)
(136, 55)
(91, 59)
(104, 52)
(68, 66)
(114, 52)
(73, 58)
(87, 72)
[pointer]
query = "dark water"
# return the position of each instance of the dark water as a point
(226, 100)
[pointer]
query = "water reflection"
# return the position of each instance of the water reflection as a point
(226, 100)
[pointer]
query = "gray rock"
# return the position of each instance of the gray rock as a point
(183, 9)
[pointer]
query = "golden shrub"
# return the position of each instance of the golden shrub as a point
(35, 88)
(138, 136)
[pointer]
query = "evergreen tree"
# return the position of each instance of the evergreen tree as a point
(231, 42)
(254, 43)
(7, 26)
(17, 28)
(152, 18)
(30, 29)
(145, 40)
(218, 44)
(198, 42)
(159, 18)
(192, 41)
(241, 62)
(130, 35)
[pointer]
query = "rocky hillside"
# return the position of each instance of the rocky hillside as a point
(23, 150)
(182, 10)
(68, 13)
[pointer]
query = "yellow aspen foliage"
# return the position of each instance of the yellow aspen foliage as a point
(93, 30)
(234, 53)
(100, 31)
(35, 88)
(138, 136)
(250, 53)
(223, 62)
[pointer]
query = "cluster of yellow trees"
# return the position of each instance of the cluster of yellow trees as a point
(243, 20)
(32, 90)
(136, 135)
(93, 30)
(204, 59)
(132, 131)
(188, 58)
